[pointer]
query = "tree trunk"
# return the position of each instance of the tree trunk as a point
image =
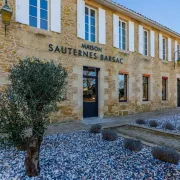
(32, 158)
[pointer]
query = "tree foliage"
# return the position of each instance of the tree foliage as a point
(34, 90)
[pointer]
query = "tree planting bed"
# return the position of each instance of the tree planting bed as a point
(161, 120)
(82, 155)
(150, 135)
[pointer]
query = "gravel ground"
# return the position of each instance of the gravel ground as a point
(173, 119)
(81, 155)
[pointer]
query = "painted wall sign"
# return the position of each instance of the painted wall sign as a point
(82, 53)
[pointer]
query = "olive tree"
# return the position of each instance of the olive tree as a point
(33, 92)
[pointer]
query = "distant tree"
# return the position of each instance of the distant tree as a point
(35, 88)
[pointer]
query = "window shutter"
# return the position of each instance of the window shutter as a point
(152, 45)
(22, 11)
(141, 39)
(56, 15)
(175, 50)
(102, 26)
(160, 46)
(169, 50)
(80, 19)
(131, 36)
(115, 31)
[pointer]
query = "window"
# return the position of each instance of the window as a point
(90, 24)
(164, 88)
(164, 49)
(38, 14)
(145, 88)
(146, 43)
(122, 35)
(178, 49)
(122, 80)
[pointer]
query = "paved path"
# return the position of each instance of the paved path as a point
(105, 122)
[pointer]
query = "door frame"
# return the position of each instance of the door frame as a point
(97, 87)
(178, 92)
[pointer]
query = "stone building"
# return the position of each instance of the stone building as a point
(118, 61)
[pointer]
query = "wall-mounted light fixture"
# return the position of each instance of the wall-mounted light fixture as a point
(6, 14)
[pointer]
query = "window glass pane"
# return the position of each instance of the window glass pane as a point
(123, 46)
(123, 25)
(43, 14)
(122, 35)
(92, 29)
(92, 37)
(93, 21)
(89, 72)
(44, 24)
(89, 89)
(33, 21)
(86, 36)
(86, 19)
(44, 4)
(120, 39)
(164, 89)
(145, 88)
(92, 13)
(86, 10)
(122, 87)
(33, 11)
(90, 21)
(86, 28)
(33, 2)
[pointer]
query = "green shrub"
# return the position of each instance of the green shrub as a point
(168, 126)
(153, 123)
(109, 135)
(166, 155)
(95, 128)
(133, 145)
(140, 121)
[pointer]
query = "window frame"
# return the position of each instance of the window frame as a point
(125, 82)
(165, 80)
(164, 40)
(178, 50)
(144, 30)
(39, 15)
(96, 21)
(147, 99)
(120, 47)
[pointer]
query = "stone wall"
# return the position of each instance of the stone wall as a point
(22, 41)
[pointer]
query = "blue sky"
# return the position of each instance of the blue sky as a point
(166, 12)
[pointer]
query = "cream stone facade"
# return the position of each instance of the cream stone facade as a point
(23, 40)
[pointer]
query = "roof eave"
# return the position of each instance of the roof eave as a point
(138, 17)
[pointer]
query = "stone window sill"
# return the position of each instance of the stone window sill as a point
(146, 102)
(123, 102)
(125, 52)
(146, 57)
(40, 32)
(164, 101)
(164, 61)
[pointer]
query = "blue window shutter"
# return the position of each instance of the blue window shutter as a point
(56, 15)
(22, 11)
